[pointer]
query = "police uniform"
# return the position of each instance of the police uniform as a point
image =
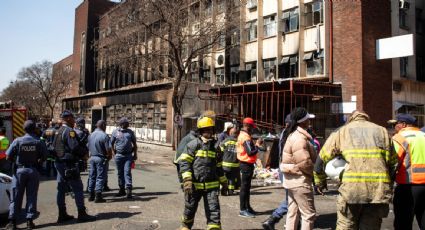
(48, 136)
(68, 152)
(122, 141)
(99, 144)
(26, 152)
(83, 136)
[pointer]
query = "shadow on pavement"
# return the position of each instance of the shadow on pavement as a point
(326, 221)
(135, 198)
(259, 193)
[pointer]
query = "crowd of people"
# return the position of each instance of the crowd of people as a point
(374, 164)
(379, 169)
(66, 147)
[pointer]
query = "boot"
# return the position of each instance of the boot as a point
(106, 188)
(99, 198)
(84, 217)
(129, 194)
(11, 225)
(30, 224)
(120, 193)
(63, 216)
(92, 196)
(270, 222)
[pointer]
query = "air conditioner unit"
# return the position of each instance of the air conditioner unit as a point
(404, 4)
(251, 4)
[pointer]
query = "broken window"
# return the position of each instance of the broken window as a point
(251, 70)
(269, 26)
(234, 74)
(288, 67)
(314, 61)
(290, 20)
(313, 13)
(251, 30)
(219, 75)
(269, 66)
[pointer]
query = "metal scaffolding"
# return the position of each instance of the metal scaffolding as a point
(269, 102)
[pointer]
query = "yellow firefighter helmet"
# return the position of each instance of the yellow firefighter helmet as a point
(205, 122)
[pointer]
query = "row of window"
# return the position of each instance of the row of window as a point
(287, 66)
(290, 21)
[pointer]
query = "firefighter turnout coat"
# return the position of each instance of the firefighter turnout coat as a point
(365, 146)
(202, 163)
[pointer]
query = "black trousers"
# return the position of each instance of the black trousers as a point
(247, 171)
(409, 201)
(233, 177)
(211, 205)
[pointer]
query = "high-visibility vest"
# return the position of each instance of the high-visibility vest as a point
(4, 144)
(409, 144)
(242, 155)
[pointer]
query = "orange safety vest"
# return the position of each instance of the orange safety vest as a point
(409, 144)
(242, 155)
(4, 144)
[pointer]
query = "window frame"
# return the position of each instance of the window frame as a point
(288, 17)
(251, 30)
(269, 26)
(269, 67)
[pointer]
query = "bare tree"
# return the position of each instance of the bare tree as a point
(24, 93)
(165, 38)
(50, 88)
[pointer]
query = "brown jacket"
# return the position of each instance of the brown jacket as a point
(298, 159)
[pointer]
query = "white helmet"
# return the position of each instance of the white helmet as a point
(335, 167)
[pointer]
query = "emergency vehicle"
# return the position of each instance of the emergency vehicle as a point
(12, 118)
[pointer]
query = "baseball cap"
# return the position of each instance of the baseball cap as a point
(123, 121)
(67, 113)
(403, 117)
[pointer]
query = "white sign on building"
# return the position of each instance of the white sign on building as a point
(394, 47)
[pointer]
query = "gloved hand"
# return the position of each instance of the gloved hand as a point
(321, 187)
(188, 187)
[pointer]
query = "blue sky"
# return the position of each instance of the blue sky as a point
(32, 31)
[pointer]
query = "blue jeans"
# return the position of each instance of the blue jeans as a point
(76, 186)
(97, 174)
(280, 211)
(123, 163)
(24, 180)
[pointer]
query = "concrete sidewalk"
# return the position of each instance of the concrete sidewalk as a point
(150, 154)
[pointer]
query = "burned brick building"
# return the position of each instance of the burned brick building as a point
(284, 53)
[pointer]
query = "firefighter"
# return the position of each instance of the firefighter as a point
(366, 183)
(27, 153)
(409, 194)
(230, 161)
(202, 173)
(4, 144)
(180, 148)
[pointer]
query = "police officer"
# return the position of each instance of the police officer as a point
(83, 136)
(27, 153)
(124, 147)
(100, 151)
(48, 136)
(68, 152)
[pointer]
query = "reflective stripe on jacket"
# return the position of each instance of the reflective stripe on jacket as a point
(409, 144)
(241, 151)
(228, 147)
(4, 144)
(202, 163)
(370, 163)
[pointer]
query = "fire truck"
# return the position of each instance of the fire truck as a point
(12, 118)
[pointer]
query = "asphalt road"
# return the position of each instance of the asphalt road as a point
(158, 204)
